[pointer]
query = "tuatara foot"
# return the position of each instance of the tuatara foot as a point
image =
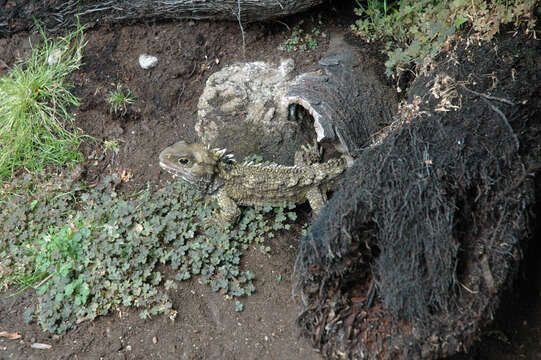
(308, 155)
(230, 212)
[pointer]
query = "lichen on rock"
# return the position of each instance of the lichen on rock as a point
(241, 110)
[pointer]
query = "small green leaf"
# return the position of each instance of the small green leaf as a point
(43, 288)
(70, 288)
(65, 268)
(84, 291)
(238, 307)
(292, 215)
(33, 204)
(144, 314)
(459, 21)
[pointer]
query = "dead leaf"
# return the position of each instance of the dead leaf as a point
(10, 335)
(40, 346)
(204, 67)
(125, 176)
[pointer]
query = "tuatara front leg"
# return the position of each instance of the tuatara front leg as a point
(229, 211)
(310, 154)
(317, 199)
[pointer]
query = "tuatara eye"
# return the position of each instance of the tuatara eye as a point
(183, 161)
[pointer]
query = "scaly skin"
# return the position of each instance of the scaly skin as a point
(233, 184)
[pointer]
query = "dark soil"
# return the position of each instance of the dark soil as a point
(165, 111)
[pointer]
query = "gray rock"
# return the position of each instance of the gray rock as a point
(241, 109)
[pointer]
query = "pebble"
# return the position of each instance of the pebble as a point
(147, 61)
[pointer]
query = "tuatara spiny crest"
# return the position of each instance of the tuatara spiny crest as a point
(216, 173)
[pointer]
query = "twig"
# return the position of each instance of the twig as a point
(506, 122)
(489, 97)
(486, 99)
(181, 93)
(241, 30)
(104, 7)
(43, 281)
(371, 294)
(467, 289)
(487, 274)
(283, 23)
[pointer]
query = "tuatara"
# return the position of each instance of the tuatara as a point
(216, 173)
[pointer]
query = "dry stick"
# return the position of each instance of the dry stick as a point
(490, 97)
(486, 99)
(371, 294)
(283, 23)
(241, 30)
(506, 122)
(43, 281)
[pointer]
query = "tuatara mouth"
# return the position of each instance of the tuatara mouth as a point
(180, 172)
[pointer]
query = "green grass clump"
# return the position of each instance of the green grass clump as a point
(416, 29)
(119, 100)
(87, 251)
(36, 127)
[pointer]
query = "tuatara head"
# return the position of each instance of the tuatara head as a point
(194, 163)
